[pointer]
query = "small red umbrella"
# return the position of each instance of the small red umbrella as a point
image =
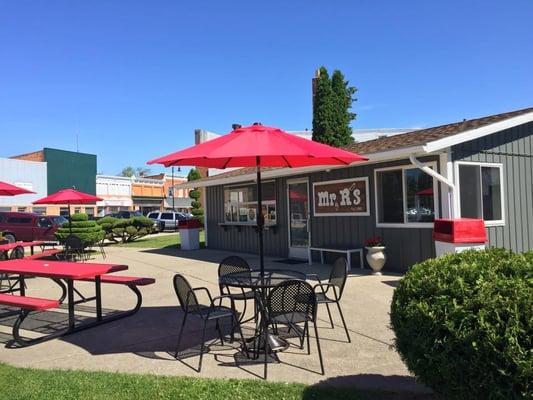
(69, 196)
(7, 189)
(259, 146)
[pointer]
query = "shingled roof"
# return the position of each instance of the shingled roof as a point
(416, 138)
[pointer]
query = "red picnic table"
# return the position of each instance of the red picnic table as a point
(62, 272)
(4, 248)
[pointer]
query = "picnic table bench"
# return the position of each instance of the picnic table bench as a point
(4, 248)
(333, 249)
(65, 274)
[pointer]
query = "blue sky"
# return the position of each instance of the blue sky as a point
(134, 78)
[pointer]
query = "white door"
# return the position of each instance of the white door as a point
(298, 209)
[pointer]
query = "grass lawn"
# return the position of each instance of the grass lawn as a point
(27, 384)
(160, 241)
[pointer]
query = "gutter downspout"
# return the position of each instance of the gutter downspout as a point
(440, 178)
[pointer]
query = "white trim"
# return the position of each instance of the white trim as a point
(288, 183)
(347, 214)
(473, 134)
(206, 242)
(488, 223)
(405, 224)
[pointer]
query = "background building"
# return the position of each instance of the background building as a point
(175, 198)
(116, 192)
(147, 194)
(29, 175)
(45, 172)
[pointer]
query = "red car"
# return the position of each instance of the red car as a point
(28, 227)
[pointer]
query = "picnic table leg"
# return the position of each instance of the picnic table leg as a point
(31, 250)
(98, 287)
(22, 285)
(70, 295)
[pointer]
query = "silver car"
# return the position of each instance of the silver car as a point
(170, 219)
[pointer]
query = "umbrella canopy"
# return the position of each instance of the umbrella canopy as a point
(7, 189)
(273, 146)
(259, 146)
(68, 196)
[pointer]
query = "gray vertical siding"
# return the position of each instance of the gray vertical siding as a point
(513, 148)
(405, 246)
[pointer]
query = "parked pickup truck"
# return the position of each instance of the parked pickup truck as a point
(27, 227)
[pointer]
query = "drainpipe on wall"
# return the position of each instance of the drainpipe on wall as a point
(441, 179)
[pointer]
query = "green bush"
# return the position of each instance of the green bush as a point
(79, 217)
(89, 232)
(126, 229)
(464, 324)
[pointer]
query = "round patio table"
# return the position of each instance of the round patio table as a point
(253, 279)
(261, 284)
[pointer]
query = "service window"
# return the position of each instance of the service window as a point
(480, 191)
(404, 196)
(240, 203)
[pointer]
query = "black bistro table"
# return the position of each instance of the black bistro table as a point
(261, 284)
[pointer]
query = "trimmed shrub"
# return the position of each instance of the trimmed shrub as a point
(464, 324)
(89, 232)
(126, 229)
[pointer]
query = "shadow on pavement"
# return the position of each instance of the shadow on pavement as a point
(363, 386)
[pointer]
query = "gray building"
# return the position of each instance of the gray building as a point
(31, 175)
(478, 168)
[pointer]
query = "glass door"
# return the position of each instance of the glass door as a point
(298, 204)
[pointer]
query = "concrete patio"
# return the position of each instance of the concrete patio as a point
(144, 343)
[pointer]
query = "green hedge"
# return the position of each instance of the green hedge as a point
(464, 324)
(89, 232)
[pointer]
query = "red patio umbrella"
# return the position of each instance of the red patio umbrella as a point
(7, 189)
(259, 146)
(68, 197)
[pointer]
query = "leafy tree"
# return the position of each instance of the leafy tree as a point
(125, 229)
(195, 195)
(128, 171)
(139, 171)
(331, 109)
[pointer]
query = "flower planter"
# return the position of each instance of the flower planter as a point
(376, 258)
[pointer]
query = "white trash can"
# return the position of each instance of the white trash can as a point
(190, 234)
(457, 235)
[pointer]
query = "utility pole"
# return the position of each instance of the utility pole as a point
(173, 208)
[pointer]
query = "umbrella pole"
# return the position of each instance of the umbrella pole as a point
(69, 220)
(259, 218)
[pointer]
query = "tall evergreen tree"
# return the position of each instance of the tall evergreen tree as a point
(333, 99)
(195, 195)
(343, 99)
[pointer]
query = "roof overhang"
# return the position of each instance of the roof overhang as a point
(433, 147)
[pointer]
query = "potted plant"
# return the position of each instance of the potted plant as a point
(375, 255)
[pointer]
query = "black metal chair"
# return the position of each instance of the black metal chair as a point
(192, 307)
(74, 249)
(290, 303)
(330, 292)
(12, 280)
(231, 265)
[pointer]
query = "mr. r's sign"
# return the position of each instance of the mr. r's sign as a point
(341, 197)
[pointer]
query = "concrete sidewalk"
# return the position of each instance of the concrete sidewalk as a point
(144, 343)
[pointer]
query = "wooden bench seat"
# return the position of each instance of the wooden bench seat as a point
(28, 303)
(46, 253)
(123, 280)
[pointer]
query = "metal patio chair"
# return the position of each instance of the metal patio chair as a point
(213, 312)
(290, 303)
(330, 292)
(74, 249)
(230, 265)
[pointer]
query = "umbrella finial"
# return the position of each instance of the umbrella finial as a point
(257, 123)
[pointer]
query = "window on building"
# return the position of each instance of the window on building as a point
(170, 191)
(240, 203)
(63, 211)
(404, 196)
(480, 191)
(39, 210)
